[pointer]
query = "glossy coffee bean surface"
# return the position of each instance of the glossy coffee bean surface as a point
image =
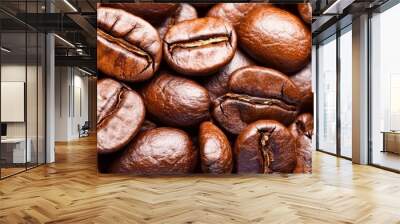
(158, 151)
(256, 93)
(204, 88)
(184, 12)
(217, 84)
(231, 12)
(128, 47)
(276, 38)
(302, 79)
(265, 146)
(120, 114)
(302, 131)
(199, 47)
(176, 101)
(155, 13)
(305, 11)
(215, 150)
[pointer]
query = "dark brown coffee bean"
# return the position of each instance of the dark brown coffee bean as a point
(302, 131)
(231, 12)
(158, 151)
(155, 13)
(176, 101)
(276, 38)
(184, 12)
(120, 113)
(302, 79)
(128, 48)
(215, 150)
(217, 84)
(265, 146)
(305, 11)
(199, 46)
(256, 93)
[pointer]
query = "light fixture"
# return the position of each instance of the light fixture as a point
(337, 7)
(5, 50)
(64, 40)
(70, 5)
(84, 71)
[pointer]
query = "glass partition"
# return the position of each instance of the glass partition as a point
(346, 92)
(14, 151)
(32, 98)
(326, 96)
(385, 89)
(22, 77)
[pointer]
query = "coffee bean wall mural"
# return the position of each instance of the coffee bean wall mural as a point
(204, 88)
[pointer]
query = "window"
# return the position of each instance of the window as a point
(22, 101)
(326, 106)
(385, 89)
(346, 92)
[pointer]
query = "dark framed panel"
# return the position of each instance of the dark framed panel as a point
(337, 151)
(378, 154)
(25, 56)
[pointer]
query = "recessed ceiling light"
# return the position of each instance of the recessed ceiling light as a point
(84, 71)
(70, 5)
(5, 50)
(64, 40)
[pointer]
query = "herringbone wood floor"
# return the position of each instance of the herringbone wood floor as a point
(71, 191)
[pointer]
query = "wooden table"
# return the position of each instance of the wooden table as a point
(391, 141)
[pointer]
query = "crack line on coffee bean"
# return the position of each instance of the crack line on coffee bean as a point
(259, 100)
(198, 43)
(117, 19)
(130, 47)
(114, 109)
(266, 149)
(229, 36)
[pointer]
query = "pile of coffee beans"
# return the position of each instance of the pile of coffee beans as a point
(204, 88)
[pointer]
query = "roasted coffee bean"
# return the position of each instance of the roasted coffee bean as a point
(176, 101)
(128, 48)
(199, 46)
(215, 150)
(302, 131)
(305, 11)
(276, 38)
(232, 110)
(302, 79)
(155, 13)
(231, 12)
(158, 151)
(120, 113)
(217, 84)
(256, 93)
(184, 12)
(265, 146)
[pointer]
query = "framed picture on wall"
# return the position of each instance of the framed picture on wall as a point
(204, 88)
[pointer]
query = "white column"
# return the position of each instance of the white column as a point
(360, 90)
(50, 92)
(50, 98)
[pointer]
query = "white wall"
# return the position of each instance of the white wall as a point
(70, 84)
(33, 127)
(12, 73)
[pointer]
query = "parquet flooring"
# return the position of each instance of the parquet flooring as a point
(71, 191)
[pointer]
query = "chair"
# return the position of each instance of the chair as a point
(84, 130)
